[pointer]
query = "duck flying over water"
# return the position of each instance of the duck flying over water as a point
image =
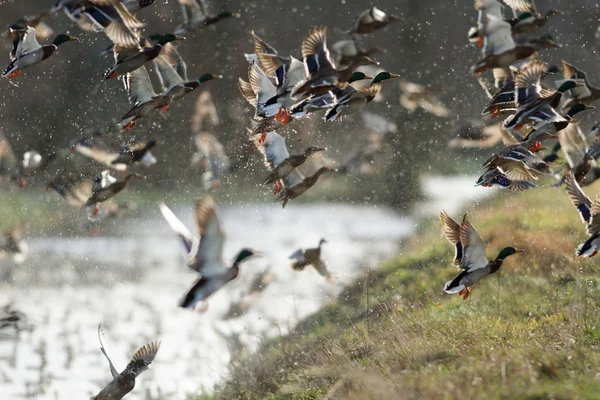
(27, 52)
(469, 255)
(106, 186)
(295, 184)
(277, 158)
(124, 382)
(303, 258)
(205, 252)
(590, 215)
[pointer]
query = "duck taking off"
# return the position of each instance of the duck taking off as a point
(124, 382)
(470, 255)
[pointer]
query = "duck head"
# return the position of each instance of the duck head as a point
(568, 85)
(383, 76)
(508, 251)
(62, 38)
(313, 149)
(169, 37)
(209, 77)
(244, 254)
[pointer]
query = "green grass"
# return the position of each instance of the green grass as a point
(531, 332)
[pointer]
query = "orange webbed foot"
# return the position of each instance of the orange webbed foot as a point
(262, 138)
(467, 293)
(479, 42)
(96, 209)
(286, 118)
(165, 108)
(278, 115)
(16, 73)
(130, 125)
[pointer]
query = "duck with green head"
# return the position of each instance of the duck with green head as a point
(27, 52)
(321, 74)
(350, 99)
(532, 106)
(324, 100)
(469, 255)
(130, 58)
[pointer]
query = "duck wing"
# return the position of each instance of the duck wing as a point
(113, 370)
(209, 256)
(474, 247)
(451, 231)
(175, 223)
(497, 36)
(266, 55)
(315, 53)
(28, 43)
(261, 85)
(582, 203)
(293, 179)
(273, 149)
(527, 83)
(193, 11)
(298, 256)
(167, 75)
(139, 86)
(146, 352)
(522, 6)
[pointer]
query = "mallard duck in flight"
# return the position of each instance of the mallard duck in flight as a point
(590, 215)
(205, 251)
(27, 52)
(124, 382)
(303, 258)
(469, 255)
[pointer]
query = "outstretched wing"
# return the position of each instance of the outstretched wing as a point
(28, 43)
(451, 231)
(582, 203)
(209, 257)
(273, 149)
(178, 226)
(474, 247)
(146, 353)
(113, 370)
(139, 86)
(315, 53)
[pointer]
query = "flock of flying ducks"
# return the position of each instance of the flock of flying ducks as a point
(280, 89)
(532, 112)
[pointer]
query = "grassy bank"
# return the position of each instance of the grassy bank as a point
(533, 332)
